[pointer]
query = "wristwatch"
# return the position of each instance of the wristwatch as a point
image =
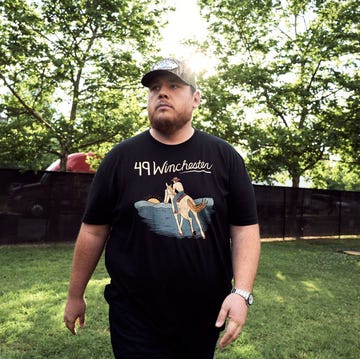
(249, 298)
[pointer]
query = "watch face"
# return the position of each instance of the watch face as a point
(250, 299)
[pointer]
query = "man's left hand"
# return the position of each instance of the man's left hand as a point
(235, 309)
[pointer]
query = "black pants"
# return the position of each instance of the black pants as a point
(135, 336)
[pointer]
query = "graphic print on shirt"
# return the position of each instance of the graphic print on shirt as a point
(178, 215)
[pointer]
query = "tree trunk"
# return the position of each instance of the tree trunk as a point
(63, 162)
(296, 182)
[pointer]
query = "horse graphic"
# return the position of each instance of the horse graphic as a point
(185, 204)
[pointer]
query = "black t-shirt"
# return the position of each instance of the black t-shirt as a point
(169, 208)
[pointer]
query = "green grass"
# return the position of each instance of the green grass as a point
(307, 297)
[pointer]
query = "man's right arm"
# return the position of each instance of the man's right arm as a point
(88, 249)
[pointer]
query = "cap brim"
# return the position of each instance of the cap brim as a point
(149, 77)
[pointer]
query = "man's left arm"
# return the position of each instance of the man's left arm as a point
(245, 259)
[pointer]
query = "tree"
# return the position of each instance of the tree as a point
(70, 70)
(295, 65)
(336, 175)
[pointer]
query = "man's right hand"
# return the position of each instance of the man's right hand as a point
(74, 310)
(88, 249)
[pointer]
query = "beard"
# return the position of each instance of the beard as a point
(168, 126)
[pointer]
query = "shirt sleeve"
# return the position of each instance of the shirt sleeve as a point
(102, 194)
(241, 201)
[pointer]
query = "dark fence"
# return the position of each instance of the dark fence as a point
(304, 213)
(41, 207)
(48, 206)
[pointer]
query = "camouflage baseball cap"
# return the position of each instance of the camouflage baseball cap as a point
(175, 67)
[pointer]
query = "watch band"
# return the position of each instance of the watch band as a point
(249, 298)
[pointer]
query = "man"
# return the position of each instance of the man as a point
(171, 274)
(179, 192)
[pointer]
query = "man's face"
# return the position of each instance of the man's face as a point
(170, 103)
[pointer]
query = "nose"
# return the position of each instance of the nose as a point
(162, 92)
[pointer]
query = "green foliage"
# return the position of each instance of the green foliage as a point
(296, 65)
(336, 176)
(217, 104)
(297, 311)
(70, 70)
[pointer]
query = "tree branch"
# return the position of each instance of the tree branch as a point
(272, 106)
(28, 108)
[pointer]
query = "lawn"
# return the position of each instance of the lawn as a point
(307, 296)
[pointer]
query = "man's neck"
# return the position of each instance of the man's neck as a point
(176, 138)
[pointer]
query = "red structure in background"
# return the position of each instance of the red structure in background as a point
(77, 162)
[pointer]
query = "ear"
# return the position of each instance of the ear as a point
(196, 99)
